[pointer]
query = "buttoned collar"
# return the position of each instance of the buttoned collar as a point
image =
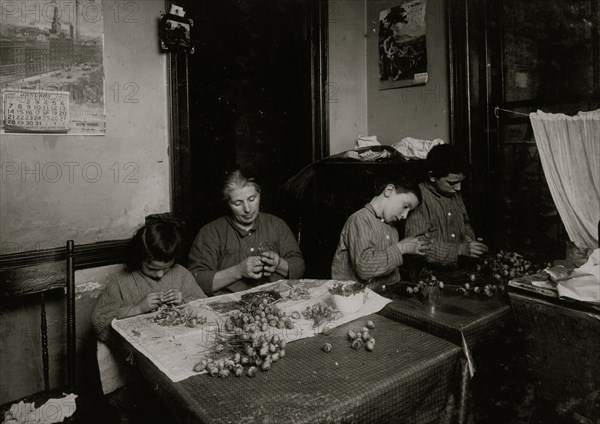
(240, 231)
(433, 189)
(371, 209)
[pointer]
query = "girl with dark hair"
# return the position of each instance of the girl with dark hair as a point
(158, 240)
(150, 277)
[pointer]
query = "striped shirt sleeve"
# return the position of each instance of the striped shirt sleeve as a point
(369, 260)
(440, 252)
(445, 221)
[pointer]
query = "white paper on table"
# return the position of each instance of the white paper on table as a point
(543, 284)
(176, 349)
(584, 282)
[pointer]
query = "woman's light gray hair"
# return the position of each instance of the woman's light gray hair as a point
(237, 180)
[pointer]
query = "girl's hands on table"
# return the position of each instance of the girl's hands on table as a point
(172, 297)
(149, 302)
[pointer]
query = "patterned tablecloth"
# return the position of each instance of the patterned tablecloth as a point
(467, 321)
(464, 320)
(407, 378)
(176, 349)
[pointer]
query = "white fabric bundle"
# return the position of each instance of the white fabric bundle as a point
(584, 283)
(366, 141)
(414, 148)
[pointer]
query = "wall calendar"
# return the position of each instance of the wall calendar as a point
(33, 111)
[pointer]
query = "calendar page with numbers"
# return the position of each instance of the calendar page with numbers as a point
(35, 111)
(52, 66)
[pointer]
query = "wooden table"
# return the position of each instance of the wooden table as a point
(407, 378)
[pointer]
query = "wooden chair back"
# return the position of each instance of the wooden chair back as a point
(38, 280)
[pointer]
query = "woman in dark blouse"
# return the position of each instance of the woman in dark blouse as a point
(245, 248)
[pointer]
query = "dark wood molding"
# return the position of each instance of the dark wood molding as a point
(459, 67)
(593, 101)
(178, 108)
(596, 47)
(180, 132)
(318, 25)
(86, 256)
(473, 89)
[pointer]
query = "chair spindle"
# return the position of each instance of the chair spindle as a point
(70, 317)
(44, 328)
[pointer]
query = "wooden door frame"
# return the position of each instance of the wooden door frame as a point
(179, 107)
(473, 94)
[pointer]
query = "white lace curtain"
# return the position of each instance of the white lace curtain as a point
(569, 148)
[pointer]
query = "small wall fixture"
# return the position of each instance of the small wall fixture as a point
(174, 31)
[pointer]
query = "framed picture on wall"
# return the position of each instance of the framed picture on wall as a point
(52, 68)
(402, 45)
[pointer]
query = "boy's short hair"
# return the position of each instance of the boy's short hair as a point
(402, 182)
(445, 159)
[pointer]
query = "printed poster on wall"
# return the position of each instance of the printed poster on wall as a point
(51, 67)
(402, 45)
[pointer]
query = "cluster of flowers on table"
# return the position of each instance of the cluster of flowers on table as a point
(426, 285)
(171, 315)
(486, 277)
(358, 339)
(243, 346)
(244, 357)
(505, 265)
(494, 271)
(319, 313)
(486, 290)
(341, 289)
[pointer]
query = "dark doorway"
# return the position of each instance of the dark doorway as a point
(253, 92)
